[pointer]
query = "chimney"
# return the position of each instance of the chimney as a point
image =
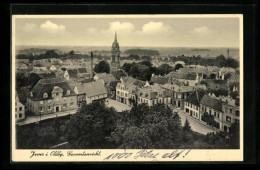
(91, 65)
(227, 53)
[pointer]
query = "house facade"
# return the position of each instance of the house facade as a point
(153, 95)
(231, 112)
(178, 93)
(50, 96)
(192, 103)
(19, 109)
(89, 92)
(213, 107)
(127, 89)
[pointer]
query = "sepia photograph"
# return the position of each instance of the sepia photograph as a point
(127, 87)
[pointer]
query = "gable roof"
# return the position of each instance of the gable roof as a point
(106, 77)
(92, 88)
(186, 76)
(132, 81)
(196, 96)
(82, 70)
(73, 73)
(160, 79)
(212, 103)
(47, 86)
(217, 84)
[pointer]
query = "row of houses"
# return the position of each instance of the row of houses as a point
(202, 105)
(53, 95)
(131, 90)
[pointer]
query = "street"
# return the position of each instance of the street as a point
(195, 124)
(34, 119)
(117, 105)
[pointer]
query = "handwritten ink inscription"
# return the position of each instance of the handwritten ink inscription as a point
(144, 154)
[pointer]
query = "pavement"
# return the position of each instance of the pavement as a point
(36, 119)
(117, 105)
(195, 124)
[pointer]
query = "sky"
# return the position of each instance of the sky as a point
(146, 31)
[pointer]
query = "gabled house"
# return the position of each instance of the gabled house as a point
(178, 93)
(93, 91)
(213, 107)
(192, 103)
(76, 73)
(51, 95)
(125, 89)
(69, 74)
(53, 68)
(19, 109)
(153, 95)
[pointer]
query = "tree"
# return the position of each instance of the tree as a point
(234, 134)
(141, 72)
(90, 126)
(148, 127)
(186, 126)
(147, 58)
(164, 69)
(231, 62)
(119, 73)
(178, 66)
(102, 67)
(71, 53)
(220, 61)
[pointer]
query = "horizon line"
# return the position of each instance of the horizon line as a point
(129, 46)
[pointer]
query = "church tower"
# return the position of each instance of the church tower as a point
(115, 55)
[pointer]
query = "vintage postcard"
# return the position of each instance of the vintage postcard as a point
(101, 88)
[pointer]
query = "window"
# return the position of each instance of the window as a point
(41, 108)
(236, 120)
(71, 104)
(16, 116)
(57, 94)
(215, 114)
(15, 103)
(226, 109)
(49, 101)
(230, 110)
(45, 95)
(228, 119)
(41, 102)
(16, 109)
(117, 92)
(65, 105)
(20, 115)
(126, 95)
(20, 108)
(68, 92)
(209, 111)
(237, 112)
(49, 107)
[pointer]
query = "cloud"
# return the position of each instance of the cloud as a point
(121, 27)
(52, 27)
(201, 30)
(28, 27)
(155, 27)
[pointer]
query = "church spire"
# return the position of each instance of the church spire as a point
(115, 40)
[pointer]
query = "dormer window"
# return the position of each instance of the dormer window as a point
(45, 95)
(68, 92)
(31, 94)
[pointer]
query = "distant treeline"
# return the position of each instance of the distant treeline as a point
(142, 52)
(53, 54)
(219, 61)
